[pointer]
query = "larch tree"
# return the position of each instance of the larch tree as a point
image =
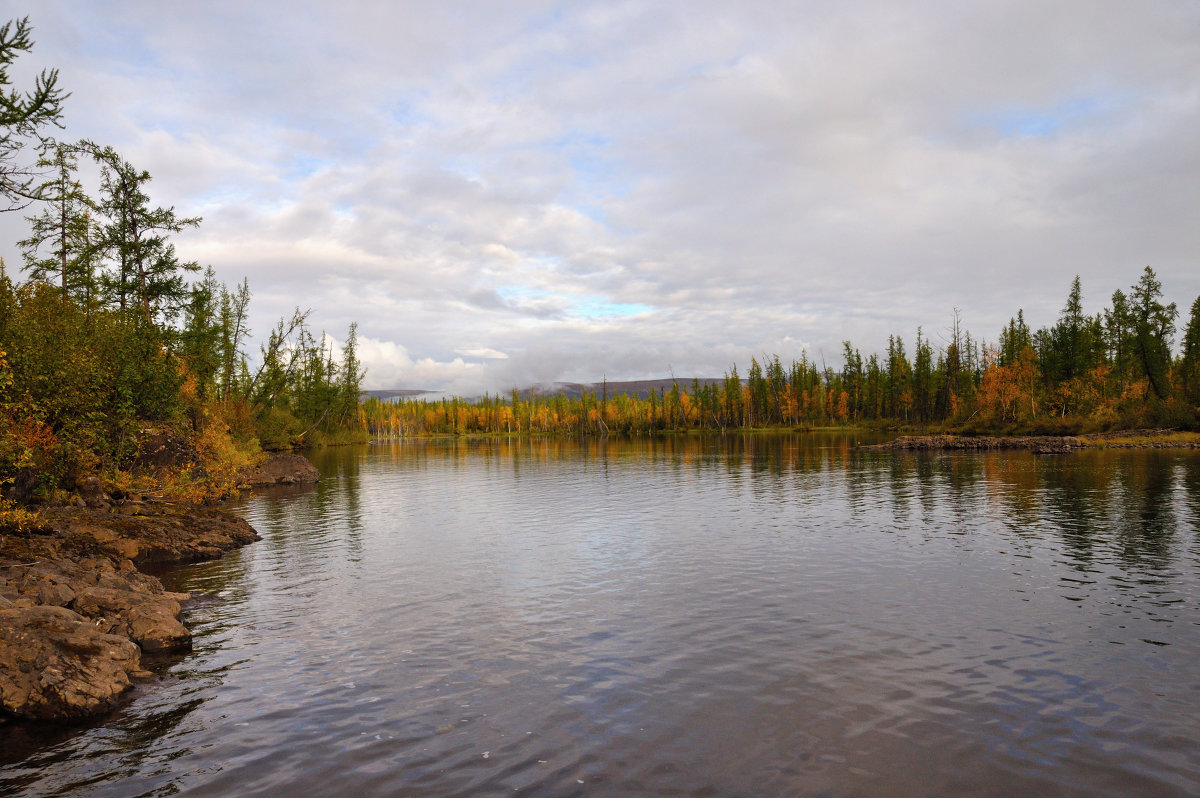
(1189, 362)
(26, 118)
(235, 307)
(64, 226)
(352, 375)
(136, 235)
(1014, 338)
(1152, 325)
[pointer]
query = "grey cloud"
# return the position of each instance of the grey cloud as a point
(767, 177)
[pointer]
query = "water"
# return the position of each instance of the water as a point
(747, 616)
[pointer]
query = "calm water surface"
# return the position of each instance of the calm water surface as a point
(744, 616)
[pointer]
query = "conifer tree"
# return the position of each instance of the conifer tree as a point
(1189, 362)
(1014, 338)
(25, 118)
(200, 340)
(923, 383)
(65, 225)
(1152, 325)
(149, 272)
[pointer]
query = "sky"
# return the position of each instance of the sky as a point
(509, 193)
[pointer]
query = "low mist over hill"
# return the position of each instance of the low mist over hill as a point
(572, 390)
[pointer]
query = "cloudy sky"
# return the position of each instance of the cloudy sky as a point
(503, 193)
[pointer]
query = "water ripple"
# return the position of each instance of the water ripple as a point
(746, 616)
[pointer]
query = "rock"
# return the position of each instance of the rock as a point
(76, 614)
(55, 594)
(98, 602)
(23, 484)
(54, 665)
(148, 618)
(281, 469)
(159, 533)
(1054, 446)
(157, 629)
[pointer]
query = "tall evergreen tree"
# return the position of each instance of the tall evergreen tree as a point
(65, 224)
(1153, 324)
(1189, 362)
(899, 379)
(1014, 338)
(1118, 335)
(853, 377)
(137, 237)
(757, 384)
(235, 307)
(923, 382)
(200, 340)
(1073, 346)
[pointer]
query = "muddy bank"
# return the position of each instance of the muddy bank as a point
(1043, 444)
(76, 614)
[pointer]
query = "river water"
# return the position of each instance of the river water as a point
(764, 615)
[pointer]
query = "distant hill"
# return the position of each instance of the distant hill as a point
(638, 388)
(572, 390)
(392, 395)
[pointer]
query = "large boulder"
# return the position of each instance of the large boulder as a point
(150, 619)
(280, 469)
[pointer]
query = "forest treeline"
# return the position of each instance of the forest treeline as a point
(107, 334)
(1115, 369)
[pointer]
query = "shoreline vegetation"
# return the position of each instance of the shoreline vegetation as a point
(908, 439)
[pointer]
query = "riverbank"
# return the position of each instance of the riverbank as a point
(1045, 444)
(76, 613)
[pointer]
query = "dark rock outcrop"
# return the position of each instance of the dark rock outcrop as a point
(280, 469)
(75, 613)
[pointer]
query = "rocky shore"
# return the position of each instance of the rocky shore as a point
(1043, 444)
(1034, 443)
(76, 614)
